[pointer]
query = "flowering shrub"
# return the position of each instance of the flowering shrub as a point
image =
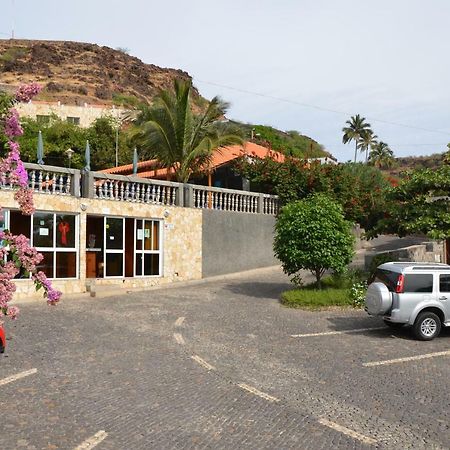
(357, 293)
(16, 254)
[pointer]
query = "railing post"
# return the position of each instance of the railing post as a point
(75, 188)
(188, 195)
(87, 184)
(179, 201)
(260, 208)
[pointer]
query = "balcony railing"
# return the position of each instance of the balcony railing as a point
(132, 189)
(54, 180)
(205, 197)
(51, 180)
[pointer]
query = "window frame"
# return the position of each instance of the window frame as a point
(113, 250)
(54, 249)
(144, 252)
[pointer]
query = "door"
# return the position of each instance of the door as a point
(444, 294)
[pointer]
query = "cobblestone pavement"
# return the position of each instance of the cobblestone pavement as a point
(215, 365)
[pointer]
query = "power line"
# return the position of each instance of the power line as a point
(320, 108)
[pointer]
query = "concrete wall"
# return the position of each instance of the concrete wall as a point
(87, 114)
(236, 241)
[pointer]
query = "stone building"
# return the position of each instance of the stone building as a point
(128, 232)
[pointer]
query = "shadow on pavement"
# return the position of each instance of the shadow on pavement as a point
(259, 289)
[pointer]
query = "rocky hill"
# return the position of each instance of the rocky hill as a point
(75, 73)
(78, 73)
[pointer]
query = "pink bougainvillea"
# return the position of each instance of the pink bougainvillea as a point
(27, 91)
(16, 254)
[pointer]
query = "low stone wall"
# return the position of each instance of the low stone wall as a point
(233, 242)
(427, 252)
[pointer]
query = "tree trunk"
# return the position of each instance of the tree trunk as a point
(318, 273)
(356, 149)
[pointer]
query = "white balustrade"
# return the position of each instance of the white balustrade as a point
(47, 180)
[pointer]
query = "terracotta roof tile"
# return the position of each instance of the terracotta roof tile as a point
(220, 157)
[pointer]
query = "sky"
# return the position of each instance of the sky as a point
(305, 65)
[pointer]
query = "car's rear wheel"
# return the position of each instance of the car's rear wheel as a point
(394, 325)
(427, 326)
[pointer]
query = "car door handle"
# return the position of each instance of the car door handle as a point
(443, 298)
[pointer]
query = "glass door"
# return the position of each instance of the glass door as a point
(147, 248)
(114, 246)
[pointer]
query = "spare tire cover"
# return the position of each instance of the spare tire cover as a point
(378, 299)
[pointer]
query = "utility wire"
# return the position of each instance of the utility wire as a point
(320, 108)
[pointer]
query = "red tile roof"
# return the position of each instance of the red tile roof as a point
(220, 157)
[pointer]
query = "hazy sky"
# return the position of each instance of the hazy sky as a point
(387, 59)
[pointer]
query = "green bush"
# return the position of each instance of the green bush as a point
(312, 234)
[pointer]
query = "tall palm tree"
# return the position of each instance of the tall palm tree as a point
(381, 155)
(356, 128)
(366, 142)
(179, 139)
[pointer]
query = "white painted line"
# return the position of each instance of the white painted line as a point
(407, 359)
(258, 393)
(93, 441)
(18, 376)
(347, 432)
(179, 321)
(203, 363)
(179, 338)
(330, 333)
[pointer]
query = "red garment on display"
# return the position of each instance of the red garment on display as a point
(63, 228)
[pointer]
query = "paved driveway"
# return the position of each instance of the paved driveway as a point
(218, 365)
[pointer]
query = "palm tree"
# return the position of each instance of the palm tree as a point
(381, 155)
(179, 139)
(356, 128)
(366, 142)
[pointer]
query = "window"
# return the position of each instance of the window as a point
(147, 247)
(422, 283)
(122, 247)
(55, 235)
(74, 120)
(386, 277)
(42, 119)
(444, 283)
(114, 248)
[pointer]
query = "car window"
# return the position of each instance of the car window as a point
(444, 283)
(418, 283)
(386, 277)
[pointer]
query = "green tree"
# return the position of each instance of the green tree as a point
(356, 129)
(312, 234)
(419, 205)
(359, 188)
(381, 155)
(59, 135)
(367, 142)
(179, 139)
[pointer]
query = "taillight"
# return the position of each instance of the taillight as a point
(400, 284)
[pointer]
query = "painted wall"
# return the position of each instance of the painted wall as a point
(233, 242)
(87, 113)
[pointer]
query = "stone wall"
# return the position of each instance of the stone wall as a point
(87, 113)
(182, 239)
(427, 252)
(236, 241)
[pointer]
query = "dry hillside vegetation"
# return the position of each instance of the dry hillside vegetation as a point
(75, 73)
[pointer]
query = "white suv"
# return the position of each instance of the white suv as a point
(411, 293)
